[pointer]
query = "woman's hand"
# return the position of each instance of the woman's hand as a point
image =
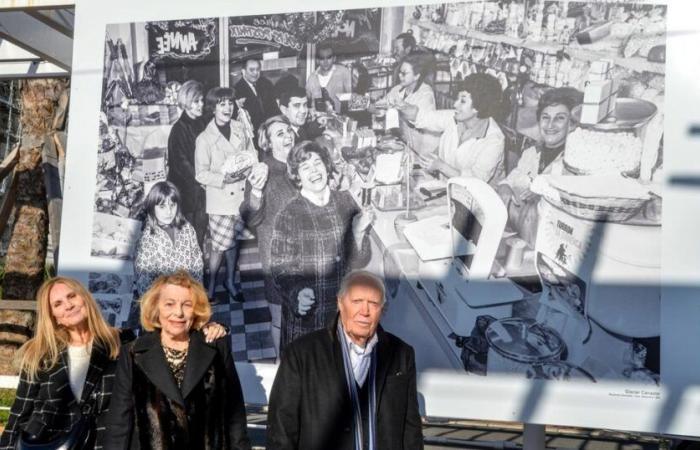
(507, 194)
(407, 111)
(258, 176)
(428, 161)
(213, 331)
(305, 301)
(362, 221)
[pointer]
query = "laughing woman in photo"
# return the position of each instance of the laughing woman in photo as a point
(224, 157)
(168, 242)
(173, 390)
(260, 208)
(316, 239)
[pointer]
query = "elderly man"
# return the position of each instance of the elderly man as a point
(351, 386)
(258, 93)
(295, 106)
(554, 122)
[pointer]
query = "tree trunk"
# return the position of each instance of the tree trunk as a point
(26, 254)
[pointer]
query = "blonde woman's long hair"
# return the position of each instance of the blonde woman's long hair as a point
(43, 350)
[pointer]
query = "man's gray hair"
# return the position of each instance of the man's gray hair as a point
(361, 277)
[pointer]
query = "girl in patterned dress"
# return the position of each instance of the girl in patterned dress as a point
(168, 242)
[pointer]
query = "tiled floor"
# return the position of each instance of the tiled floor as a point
(249, 321)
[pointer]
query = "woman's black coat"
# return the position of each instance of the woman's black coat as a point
(149, 411)
(46, 408)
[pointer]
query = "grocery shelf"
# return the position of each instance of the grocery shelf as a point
(636, 63)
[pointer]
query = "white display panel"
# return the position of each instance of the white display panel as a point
(614, 401)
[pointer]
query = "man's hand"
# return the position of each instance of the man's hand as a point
(305, 301)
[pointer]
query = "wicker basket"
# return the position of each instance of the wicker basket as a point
(607, 209)
(634, 173)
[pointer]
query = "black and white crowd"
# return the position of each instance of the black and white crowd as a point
(242, 158)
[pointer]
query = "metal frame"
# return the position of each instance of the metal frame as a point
(37, 38)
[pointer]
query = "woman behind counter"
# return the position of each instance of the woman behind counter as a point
(260, 208)
(471, 144)
(316, 239)
(181, 145)
(413, 90)
(172, 389)
(168, 242)
(224, 153)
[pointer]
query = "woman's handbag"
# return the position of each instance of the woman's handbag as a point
(80, 437)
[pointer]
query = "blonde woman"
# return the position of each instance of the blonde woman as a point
(173, 390)
(66, 370)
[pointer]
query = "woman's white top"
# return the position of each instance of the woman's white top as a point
(78, 364)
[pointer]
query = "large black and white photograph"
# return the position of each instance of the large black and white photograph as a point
(497, 162)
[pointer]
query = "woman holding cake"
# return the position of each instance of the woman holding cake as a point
(224, 158)
(471, 142)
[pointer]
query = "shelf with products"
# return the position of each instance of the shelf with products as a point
(636, 63)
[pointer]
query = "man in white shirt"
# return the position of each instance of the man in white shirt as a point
(329, 79)
(349, 387)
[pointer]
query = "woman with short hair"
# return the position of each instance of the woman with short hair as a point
(172, 389)
(260, 208)
(224, 158)
(181, 145)
(471, 142)
(316, 239)
(413, 90)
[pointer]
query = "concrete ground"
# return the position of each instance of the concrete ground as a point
(501, 435)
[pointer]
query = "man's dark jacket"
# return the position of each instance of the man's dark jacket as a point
(310, 407)
(261, 106)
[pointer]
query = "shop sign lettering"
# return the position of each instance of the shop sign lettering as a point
(266, 34)
(185, 43)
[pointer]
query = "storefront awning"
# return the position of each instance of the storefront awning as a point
(36, 38)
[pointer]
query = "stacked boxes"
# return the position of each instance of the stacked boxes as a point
(600, 93)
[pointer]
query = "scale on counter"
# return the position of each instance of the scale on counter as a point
(457, 252)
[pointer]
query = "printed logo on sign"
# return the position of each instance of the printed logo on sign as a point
(565, 227)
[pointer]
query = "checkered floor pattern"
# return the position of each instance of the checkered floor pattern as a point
(249, 321)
